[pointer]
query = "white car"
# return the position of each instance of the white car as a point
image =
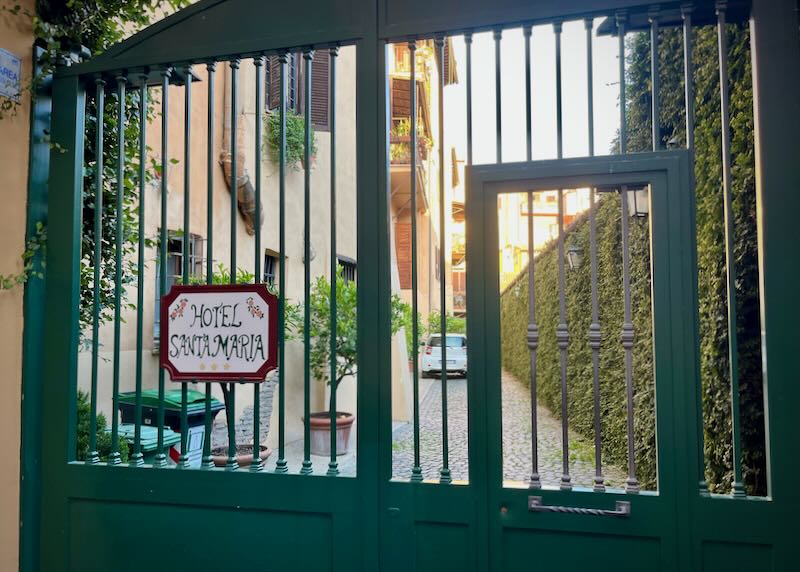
(456, 355)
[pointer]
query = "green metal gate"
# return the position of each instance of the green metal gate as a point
(114, 516)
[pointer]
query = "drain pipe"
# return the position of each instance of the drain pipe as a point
(246, 194)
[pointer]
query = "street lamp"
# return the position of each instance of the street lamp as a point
(574, 256)
(638, 201)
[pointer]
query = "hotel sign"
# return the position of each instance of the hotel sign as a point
(219, 332)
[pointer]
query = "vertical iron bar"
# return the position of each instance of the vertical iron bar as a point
(688, 75)
(562, 332)
(92, 456)
(114, 458)
(628, 337)
(730, 264)
(559, 116)
(232, 463)
(468, 43)
(444, 474)
(533, 344)
(208, 462)
(562, 341)
(137, 458)
(306, 469)
(589, 24)
(621, 18)
(333, 464)
(526, 32)
(595, 340)
(595, 334)
(281, 465)
(416, 471)
(160, 459)
(258, 62)
(498, 72)
(654, 79)
(183, 459)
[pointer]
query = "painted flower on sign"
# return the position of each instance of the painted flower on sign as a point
(178, 310)
(254, 309)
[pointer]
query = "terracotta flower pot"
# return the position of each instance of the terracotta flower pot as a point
(321, 432)
(244, 455)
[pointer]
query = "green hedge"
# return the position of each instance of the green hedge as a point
(514, 323)
(710, 230)
(711, 271)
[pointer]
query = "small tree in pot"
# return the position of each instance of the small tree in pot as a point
(346, 353)
(244, 451)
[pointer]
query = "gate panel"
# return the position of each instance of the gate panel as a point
(114, 511)
(374, 520)
(648, 530)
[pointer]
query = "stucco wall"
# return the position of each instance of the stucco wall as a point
(320, 227)
(16, 37)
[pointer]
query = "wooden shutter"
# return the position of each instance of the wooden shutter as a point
(401, 99)
(273, 82)
(320, 90)
(402, 237)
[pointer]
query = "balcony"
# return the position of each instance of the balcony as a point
(400, 168)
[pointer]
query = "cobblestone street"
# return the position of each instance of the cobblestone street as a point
(516, 438)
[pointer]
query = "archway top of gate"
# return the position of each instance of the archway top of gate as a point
(224, 29)
(213, 30)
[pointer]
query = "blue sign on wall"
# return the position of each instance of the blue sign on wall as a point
(10, 75)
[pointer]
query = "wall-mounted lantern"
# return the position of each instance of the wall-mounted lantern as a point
(638, 201)
(574, 256)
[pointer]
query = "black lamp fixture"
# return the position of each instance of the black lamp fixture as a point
(574, 256)
(638, 201)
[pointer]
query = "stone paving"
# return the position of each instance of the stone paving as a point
(516, 439)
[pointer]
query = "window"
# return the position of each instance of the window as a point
(452, 342)
(174, 270)
(348, 267)
(270, 267)
(295, 84)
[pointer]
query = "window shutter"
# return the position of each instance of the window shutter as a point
(401, 100)
(320, 89)
(402, 239)
(273, 82)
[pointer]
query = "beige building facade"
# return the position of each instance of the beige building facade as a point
(246, 255)
(16, 37)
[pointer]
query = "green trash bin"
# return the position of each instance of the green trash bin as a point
(196, 409)
(149, 440)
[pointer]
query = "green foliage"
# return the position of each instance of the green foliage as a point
(222, 275)
(408, 329)
(455, 324)
(400, 152)
(516, 357)
(346, 328)
(63, 28)
(715, 377)
(33, 260)
(103, 436)
(712, 291)
(295, 138)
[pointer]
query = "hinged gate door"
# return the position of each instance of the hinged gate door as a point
(554, 519)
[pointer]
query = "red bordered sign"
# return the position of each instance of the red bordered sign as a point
(219, 332)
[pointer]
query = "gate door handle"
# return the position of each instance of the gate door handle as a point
(536, 504)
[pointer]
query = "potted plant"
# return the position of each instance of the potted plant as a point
(295, 138)
(244, 451)
(102, 435)
(346, 354)
(400, 141)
